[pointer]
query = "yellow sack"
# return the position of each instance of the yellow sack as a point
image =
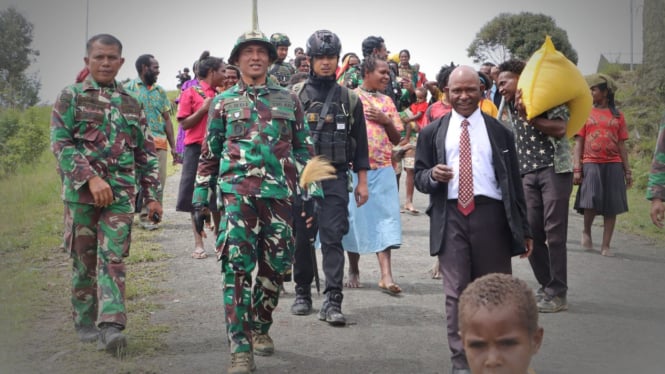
(548, 80)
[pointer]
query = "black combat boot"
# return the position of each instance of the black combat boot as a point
(87, 333)
(111, 339)
(302, 305)
(331, 311)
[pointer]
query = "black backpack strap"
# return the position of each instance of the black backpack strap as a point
(326, 107)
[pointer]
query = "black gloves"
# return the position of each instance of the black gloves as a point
(310, 208)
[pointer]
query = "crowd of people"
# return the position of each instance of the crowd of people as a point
(499, 184)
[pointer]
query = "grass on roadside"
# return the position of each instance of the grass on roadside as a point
(36, 273)
(637, 220)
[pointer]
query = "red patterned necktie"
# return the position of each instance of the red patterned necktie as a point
(465, 202)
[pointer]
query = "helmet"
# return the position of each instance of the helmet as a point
(323, 43)
(254, 36)
(279, 40)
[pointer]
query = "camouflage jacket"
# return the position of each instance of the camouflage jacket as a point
(258, 142)
(282, 72)
(656, 184)
(102, 131)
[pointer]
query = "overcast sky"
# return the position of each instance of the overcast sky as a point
(176, 32)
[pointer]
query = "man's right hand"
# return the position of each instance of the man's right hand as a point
(442, 173)
(310, 212)
(201, 217)
(101, 191)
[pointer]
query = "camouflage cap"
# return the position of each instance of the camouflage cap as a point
(599, 78)
(248, 37)
(278, 39)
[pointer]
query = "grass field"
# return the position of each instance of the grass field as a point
(35, 274)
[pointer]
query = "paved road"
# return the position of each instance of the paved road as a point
(615, 322)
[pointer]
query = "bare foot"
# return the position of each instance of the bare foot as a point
(586, 242)
(606, 252)
(353, 281)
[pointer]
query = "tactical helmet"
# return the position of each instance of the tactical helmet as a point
(278, 40)
(254, 36)
(323, 43)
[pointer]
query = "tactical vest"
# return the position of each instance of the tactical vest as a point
(331, 137)
(282, 72)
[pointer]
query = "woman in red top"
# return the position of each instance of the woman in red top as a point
(605, 172)
(193, 117)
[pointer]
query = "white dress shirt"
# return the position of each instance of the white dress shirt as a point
(484, 179)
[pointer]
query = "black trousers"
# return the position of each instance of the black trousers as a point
(547, 197)
(333, 224)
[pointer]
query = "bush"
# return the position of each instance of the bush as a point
(643, 112)
(23, 137)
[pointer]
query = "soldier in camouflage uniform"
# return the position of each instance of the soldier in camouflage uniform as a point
(656, 184)
(280, 69)
(257, 140)
(104, 148)
(546, 167)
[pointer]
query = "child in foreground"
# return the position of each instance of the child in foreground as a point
(498, 323)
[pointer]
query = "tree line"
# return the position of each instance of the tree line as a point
(24, 131)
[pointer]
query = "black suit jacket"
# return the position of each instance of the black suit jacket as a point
(431, 150)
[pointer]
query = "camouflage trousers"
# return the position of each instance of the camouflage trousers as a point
(253, 231)
(98, 239)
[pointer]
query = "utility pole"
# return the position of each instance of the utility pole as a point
(631, 35)
(87, 15)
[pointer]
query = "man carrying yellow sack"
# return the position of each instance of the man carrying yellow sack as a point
(547, 179)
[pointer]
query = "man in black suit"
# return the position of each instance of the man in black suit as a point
(474, 232)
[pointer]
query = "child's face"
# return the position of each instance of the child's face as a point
(498, 342)
(420, 96)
